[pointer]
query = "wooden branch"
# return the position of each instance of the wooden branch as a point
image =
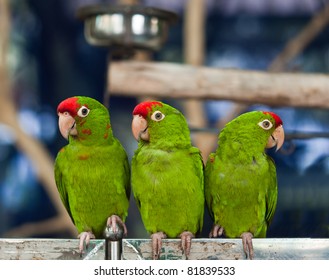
(194, 52)
(170, 80)
(194, 32)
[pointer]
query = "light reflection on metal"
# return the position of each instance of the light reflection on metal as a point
(110, 24)
(154, 25)
(138, 24)
(125, 26)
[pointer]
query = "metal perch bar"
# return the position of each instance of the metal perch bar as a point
(137, 249)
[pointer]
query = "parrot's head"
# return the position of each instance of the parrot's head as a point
(265, 128)
(83, 118)
(273, 123)
(157, 122)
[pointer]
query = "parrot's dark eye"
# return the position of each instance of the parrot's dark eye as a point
(157, 116)
(83, 111)
(265, 124)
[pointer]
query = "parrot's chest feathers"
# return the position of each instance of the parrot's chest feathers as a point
(157, 161)
(94, 152)
(242, 158)
(154, 156)
(84, 163)
(166, 172)
(244, 177)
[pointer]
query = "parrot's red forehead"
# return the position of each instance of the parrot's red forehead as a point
(70, 105)
(277, 119)
(145, 107)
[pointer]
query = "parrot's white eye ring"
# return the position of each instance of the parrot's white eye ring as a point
(83, 112)
(157, 116)
(265, 124)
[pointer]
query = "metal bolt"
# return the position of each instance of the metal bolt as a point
(113, 242)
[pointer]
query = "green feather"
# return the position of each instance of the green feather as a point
(167, 176)
(92, 172)
(240, 178)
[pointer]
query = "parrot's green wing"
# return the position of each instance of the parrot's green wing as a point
(199, 166)
(207, 190)
(199, 170)
(272, 194)
(127, 176)
(61, 186)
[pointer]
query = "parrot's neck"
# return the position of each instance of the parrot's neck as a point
(94, 133)
(240, 147)
(175, 137)
(165, 146)
(92, 140)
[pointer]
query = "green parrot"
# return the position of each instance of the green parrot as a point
(166, 175)
(240, 178)
(92, 172)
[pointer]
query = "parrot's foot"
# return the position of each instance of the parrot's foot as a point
(85, 236)
(157, 244)
(186, 239)
(216, 231)
(113, 221)
(247, 244)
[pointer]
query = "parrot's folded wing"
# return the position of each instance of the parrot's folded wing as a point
(208, 190)
(199, 170)
(127, 183)
(61, 189)
(272, 194)
(199, 166)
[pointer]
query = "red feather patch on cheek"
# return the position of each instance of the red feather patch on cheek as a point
(86, 131)
(106, 135)
(145, 107)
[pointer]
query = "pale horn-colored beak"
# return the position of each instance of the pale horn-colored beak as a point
(276, 139)
(66, 124)
(139, 128)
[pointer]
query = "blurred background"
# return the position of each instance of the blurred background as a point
(48, 59)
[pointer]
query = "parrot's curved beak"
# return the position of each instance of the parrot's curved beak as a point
(139, 128)
(67, 125)
(276, 138)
